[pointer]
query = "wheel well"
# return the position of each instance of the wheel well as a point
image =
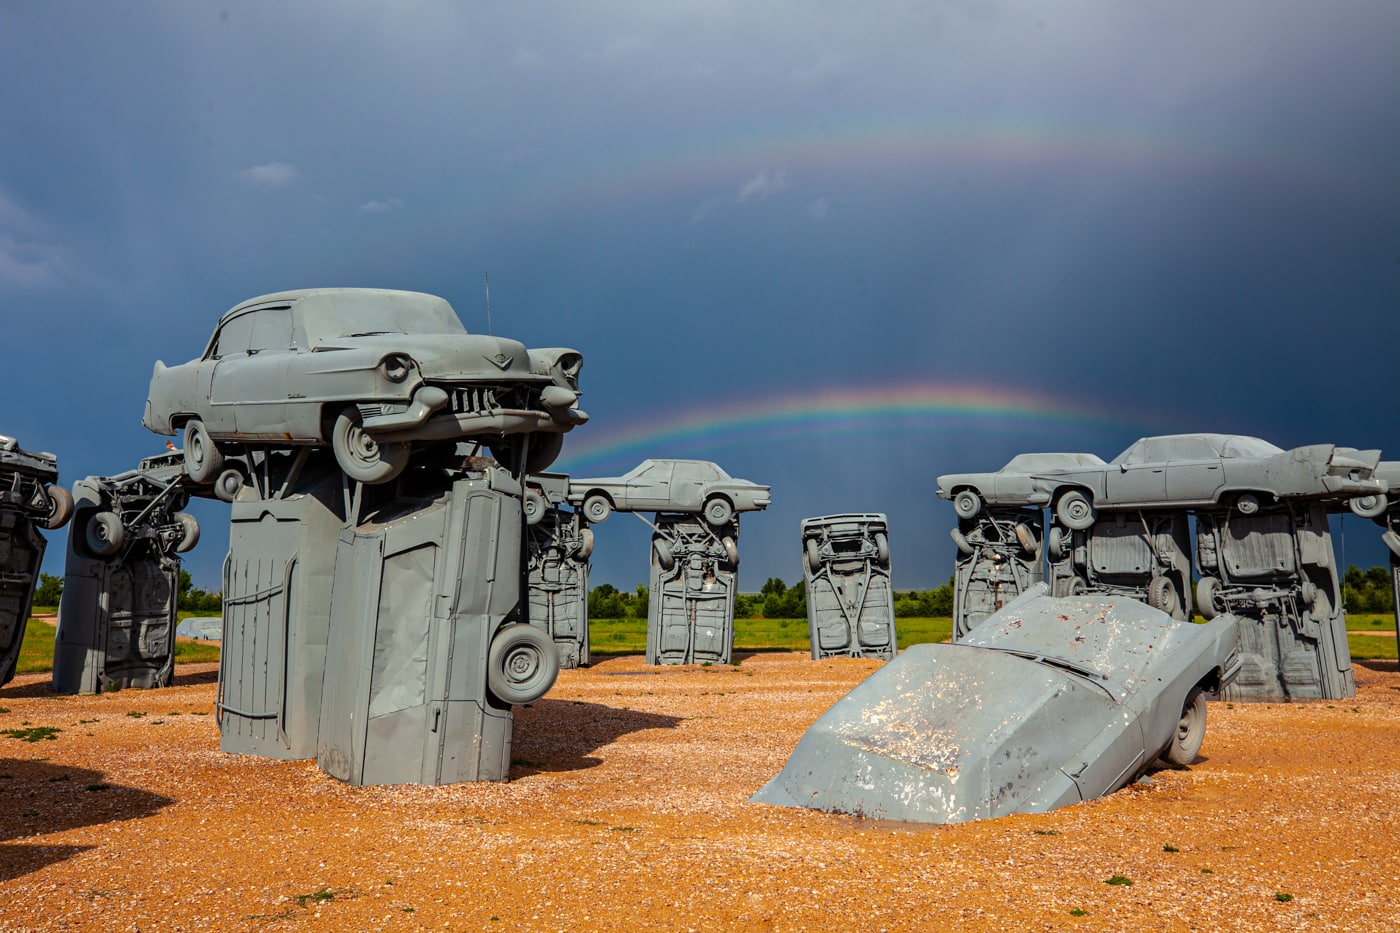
(1063, 491)
(1210, 683)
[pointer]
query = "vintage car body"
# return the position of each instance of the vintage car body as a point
(369, 371)
(1195, 470)
(850, 602)
(29, 500)
(1019, 483)
(669, 486)
(1047, 703)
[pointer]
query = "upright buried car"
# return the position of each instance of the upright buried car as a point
(669, 486)
(1046, 703)
(29, 500)
(371, 372)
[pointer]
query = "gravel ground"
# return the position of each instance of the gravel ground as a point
(627, 809)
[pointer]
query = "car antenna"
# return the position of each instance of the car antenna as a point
(490, 328)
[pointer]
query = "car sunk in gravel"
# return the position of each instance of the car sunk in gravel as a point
(370, 372)
(1176, 471)
(669, 486)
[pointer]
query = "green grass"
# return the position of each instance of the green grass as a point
(608, 637)
(36, 652)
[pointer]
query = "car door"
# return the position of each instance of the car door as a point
(251, 378)
(1196, 474)
(1139, 480)
(688, 484)
(651, 488)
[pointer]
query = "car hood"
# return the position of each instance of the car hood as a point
(441, 356)
(949, 733)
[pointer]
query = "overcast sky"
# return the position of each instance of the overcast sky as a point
(837, 248)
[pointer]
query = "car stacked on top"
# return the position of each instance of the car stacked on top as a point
(373, 373)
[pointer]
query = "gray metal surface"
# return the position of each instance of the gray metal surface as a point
(693, 581)
(277, 596)
(116, 623)
(1050, 702)
(1276, 572)
(558, 544)
(369, 372)
(1144, 555)
(846, 568)
(425, 642)
(29, 500)
(682, 486)
(999, 556)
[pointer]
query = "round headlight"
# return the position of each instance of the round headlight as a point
(396, 367)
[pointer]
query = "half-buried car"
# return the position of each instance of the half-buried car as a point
(1046, 703)
(371, 372)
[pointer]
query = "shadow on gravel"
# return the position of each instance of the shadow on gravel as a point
(193, 678)
(40, 688)
(1378, 665)
(561, 735)
(37, 798)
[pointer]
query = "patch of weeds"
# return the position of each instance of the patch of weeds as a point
(97, 787)
(1227, 848)
(200, 712)
(57, 778)
(6, 709)
(1046, 832)
(624, 829)
(1119, 879)
(495, 919)
(1170, 848)
(172, 714)
(708, 664)
(783, 623)
(588, 822)
(135, 715)
(84, 722)
(1283, 897)
(408, 910)
(1078, 912)
(34, 734)
(1207, 871)
(324, 894)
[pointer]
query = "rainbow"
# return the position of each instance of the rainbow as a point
(918, 408)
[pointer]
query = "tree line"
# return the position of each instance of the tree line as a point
(776, 600)
(190, 598)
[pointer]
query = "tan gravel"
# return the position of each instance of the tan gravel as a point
(627, 810)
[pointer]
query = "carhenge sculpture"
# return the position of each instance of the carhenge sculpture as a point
(846, 569)
(1122, 528)
(374, 610)
(558, 543)
(1050, 701)
(116, 623)
(30, 499)
(694, 549)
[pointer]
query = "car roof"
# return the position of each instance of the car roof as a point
(346, 292)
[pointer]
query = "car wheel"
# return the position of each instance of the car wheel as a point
(718, 511)
(964, 546)
(1077, 586)
(813, 552)
(228, 485)
(360, 456)
(189, 531)
(597, 508)
(967, 504)
(664, 558)
(60, 507)
(544, 449)
(1247, 503)
(1162, 596)
(585, 545)
(1026, 538)
(522, 664)
(1057, 544)
(1185, 746)
(731, 551)
(882, 547)
(1207, 589)
(535, 507)
(1075, 511)
(203, 461)
(105, 534)
(1370, 506)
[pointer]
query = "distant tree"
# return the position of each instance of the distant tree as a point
(190, 598)
(49, 591)
(1368, 590)
(642, 602)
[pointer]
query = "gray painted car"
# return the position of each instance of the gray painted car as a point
(1020, 483)
(1186, 471)
(29, 500)
(669, 486)
(371, 372)
(1047, 703)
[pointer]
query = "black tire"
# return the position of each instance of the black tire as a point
(965, 547)
(1206, 591)
(718, 511)
(814, 555)
(189, 531)
(1059, 547)
(585, 545)
(105, 534)
(731, 551)
(60, 507)
(1370, 506)
(1247, 503)
(522, 664)
(228, 485)
(535, 508)
(1185, 746)
(1026, 538)
(545, 447)
(203, 459)
(360, 456)
(596, 508)
(1075, 510)
(882, 547)
(1077, 586)
(664, 558)
(1162, 596)
(967, 504)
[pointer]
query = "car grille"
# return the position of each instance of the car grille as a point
(475, 399)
